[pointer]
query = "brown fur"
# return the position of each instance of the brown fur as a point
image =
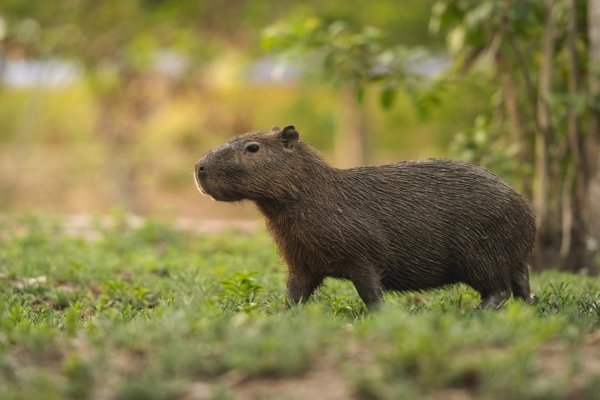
(412, 225)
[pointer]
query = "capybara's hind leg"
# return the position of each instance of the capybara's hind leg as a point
(519, 281)
(494, 299)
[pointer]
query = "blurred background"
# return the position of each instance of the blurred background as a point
(108, 104)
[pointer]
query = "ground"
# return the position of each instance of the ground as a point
(151, 310)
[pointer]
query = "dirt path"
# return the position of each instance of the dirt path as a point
(323, 381)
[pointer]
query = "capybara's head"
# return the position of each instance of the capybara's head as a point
(255, 166)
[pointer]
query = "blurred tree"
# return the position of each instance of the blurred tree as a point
(116, 44)
(133, 54)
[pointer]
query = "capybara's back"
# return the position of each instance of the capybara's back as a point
(412, 225)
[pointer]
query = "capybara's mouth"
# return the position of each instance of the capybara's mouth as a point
(201, 190)
(199, 184)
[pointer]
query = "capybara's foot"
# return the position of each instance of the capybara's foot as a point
(520, 284)
(494, 300)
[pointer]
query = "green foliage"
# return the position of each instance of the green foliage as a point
(240, 291)
(152, 312)
(501, 43)
(346, 57)
(484, 145)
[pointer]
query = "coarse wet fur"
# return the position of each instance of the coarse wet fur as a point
(412, 225)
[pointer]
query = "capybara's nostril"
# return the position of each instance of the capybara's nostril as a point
(200, 168)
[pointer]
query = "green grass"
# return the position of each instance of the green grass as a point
(156, 313)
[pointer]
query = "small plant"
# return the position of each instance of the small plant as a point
(240, 291)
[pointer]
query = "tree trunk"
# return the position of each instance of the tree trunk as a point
(572, 249)
(120, 168)
(516, 126)
(10, 185)
(545, 230)
(351, 142)
(592, 188)
(123, 113)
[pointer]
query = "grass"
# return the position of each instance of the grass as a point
(156, 313)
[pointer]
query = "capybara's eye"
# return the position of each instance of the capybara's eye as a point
(252, 147)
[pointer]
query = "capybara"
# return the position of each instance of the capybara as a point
(411, 225)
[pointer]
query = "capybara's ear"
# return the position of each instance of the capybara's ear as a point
(289, 136)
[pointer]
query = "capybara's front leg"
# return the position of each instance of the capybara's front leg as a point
(300, 287)
(368, 286)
